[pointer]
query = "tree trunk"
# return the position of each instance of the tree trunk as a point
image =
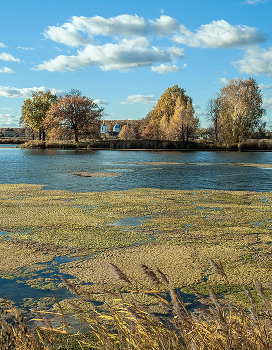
(76, 135)
(43, 135)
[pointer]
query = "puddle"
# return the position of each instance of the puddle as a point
(15, 290)
(255, 223)
(131, 221)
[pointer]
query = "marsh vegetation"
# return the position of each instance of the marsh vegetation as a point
(180, 230)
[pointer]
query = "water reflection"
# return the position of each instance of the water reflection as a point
(193, 170)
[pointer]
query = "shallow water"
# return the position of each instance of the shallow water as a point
(192, 169)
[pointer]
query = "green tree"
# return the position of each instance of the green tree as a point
(73, 116)
(34, 111)
(240, 109)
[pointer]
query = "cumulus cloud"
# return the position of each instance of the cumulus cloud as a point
(130, 43)
(220, 34)
(265, 87)
(164, 68)
(145, 99)
(6, 70)
(223, 81)
(2, 45)
(12, 92)
(100, 102)
(66, 34)
(126, 54)
(256, 61)
(267, 103)
(9, 120)
(128, 48)
(5, 56)
(122, 25)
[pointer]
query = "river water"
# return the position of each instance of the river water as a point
(148, 169)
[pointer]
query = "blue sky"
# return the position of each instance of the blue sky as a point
(124, 54)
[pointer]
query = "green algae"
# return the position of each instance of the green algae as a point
(182, 229)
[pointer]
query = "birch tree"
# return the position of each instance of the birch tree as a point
(241, 110)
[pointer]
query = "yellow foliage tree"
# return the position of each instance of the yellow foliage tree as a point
(240, 110)
(159, 119)
(126, 133)
(34, 111)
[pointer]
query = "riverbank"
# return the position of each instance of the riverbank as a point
(249, 145)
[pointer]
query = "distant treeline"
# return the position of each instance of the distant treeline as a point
(116, 144)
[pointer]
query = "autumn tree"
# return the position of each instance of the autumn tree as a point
(126, 133)
(159, 119)
(183, 124)
(73, 116)
(240, 109)
(34, 111)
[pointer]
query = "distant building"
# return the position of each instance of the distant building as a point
(103, 129)
(115, 131)
(116, 128)
(9, 132)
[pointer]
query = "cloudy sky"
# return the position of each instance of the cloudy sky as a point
(124, 54)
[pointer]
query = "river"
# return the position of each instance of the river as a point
(148, 169)
(191, 170)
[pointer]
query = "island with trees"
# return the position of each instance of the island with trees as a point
(235, 119)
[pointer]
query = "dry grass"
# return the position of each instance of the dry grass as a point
(121, 324)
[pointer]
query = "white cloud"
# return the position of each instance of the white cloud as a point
(220, 34)
(8, 57)
(100, 102)
(125, 25)
(9, 120)
(66, 34)
(128, 47)
(12, 92)
(6, 70)
(163, 68)
(2, 45)
(126, 54)
(26, 48)
(256, 61)
(196, 106)
(223, 81)
(145, 99)
(265, 87)
(267, 103)
(253, 2)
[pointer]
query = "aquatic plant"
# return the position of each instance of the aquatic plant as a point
(181, 229)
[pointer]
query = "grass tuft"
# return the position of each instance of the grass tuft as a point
(123, 323)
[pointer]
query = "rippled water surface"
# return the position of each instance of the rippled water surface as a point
(184, 171)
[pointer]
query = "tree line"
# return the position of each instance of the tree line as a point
(235, 113)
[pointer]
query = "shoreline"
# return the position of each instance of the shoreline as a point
(151, 145)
